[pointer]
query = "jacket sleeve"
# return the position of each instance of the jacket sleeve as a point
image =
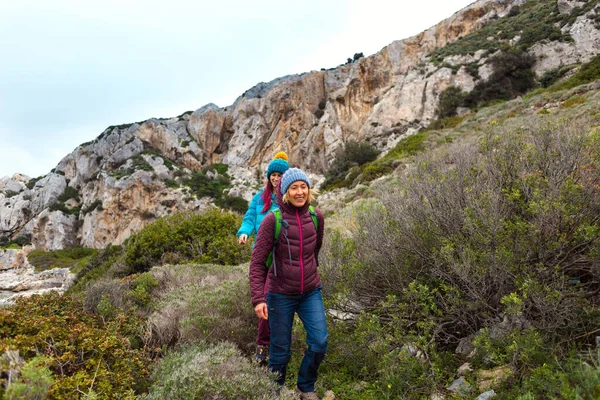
(260, 253)
(248, 223)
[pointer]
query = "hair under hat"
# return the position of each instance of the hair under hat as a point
(278, 164)
(292, 175)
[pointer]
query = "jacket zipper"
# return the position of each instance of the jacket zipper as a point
(301, 261)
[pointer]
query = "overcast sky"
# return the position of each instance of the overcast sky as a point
(71, 68)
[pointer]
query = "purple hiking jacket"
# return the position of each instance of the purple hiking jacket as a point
(298, 275)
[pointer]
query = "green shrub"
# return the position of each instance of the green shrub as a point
(203, 371)
(69, 193)
(34, 381)
(95, 205)
(450, 99)
(574, 378)
(31, 183)
(234, 203)
(353, 154)
(208, 237)
(22, 240)
(220, 168)
(171, 183)
(62, 207)
(142, 286)
(588, 72)
(533, 22)
(140, 163)
(71, 257)
(553, 75)
(496, 240)
(80, 352)
(445, 123)
(96, 267)
(203, 186)
(319, 113)
(512, 77)
(573, 101)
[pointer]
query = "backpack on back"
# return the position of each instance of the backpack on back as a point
(279, 222)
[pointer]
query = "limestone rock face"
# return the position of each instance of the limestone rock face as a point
(19, 277)
(586, 44)
(132, 174)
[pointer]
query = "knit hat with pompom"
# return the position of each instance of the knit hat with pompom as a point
(279, 164)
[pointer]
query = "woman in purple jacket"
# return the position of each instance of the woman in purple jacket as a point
(294, 285)
(262, 203)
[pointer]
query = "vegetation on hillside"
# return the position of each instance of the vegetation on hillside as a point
(497, 242)
(532, 21)
(483, 247)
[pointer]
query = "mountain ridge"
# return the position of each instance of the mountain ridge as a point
(131, 174)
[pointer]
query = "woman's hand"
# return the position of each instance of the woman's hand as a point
(243, 238)
(261, 311)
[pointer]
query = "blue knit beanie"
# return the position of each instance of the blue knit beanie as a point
(292, 175)
(279, 164)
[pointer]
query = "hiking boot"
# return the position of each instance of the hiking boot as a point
(309, 396)
(262, 354)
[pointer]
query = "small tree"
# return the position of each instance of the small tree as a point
(450, 99)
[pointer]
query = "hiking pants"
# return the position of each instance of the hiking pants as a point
(309, 307)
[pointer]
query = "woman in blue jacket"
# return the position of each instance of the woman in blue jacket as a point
(262, 203)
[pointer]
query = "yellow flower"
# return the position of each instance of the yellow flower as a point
(389, 386)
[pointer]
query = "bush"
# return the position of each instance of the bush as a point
(572, 101)
(512, 77)
(550, 77)
(203, 186)
(203, 371)
(22, 240)
(497, 240)
(534, 21)
(450, 99)
(353, 154)
(31, 183)
(208, 237)
(95, 205)
(205, 302)
(34, 381)
(220, 168)
(81, 353)
(96, 267)
(588, 72)
(71, 257)
(234, 203)
(69, 193)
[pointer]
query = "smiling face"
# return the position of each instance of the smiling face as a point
(298, 193)
(274, 178)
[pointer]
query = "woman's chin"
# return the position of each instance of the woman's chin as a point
(298, 204)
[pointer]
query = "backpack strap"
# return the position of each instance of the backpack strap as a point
(276, 233)
(314, 217)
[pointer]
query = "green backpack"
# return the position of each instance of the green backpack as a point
(279, 222)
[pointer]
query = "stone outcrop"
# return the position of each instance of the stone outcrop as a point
(19, 277)
(111, 187)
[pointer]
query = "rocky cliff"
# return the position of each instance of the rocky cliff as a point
(131, 174)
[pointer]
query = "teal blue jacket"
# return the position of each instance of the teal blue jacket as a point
(254, 215)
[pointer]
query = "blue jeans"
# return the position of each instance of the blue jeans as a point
(309, 307)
